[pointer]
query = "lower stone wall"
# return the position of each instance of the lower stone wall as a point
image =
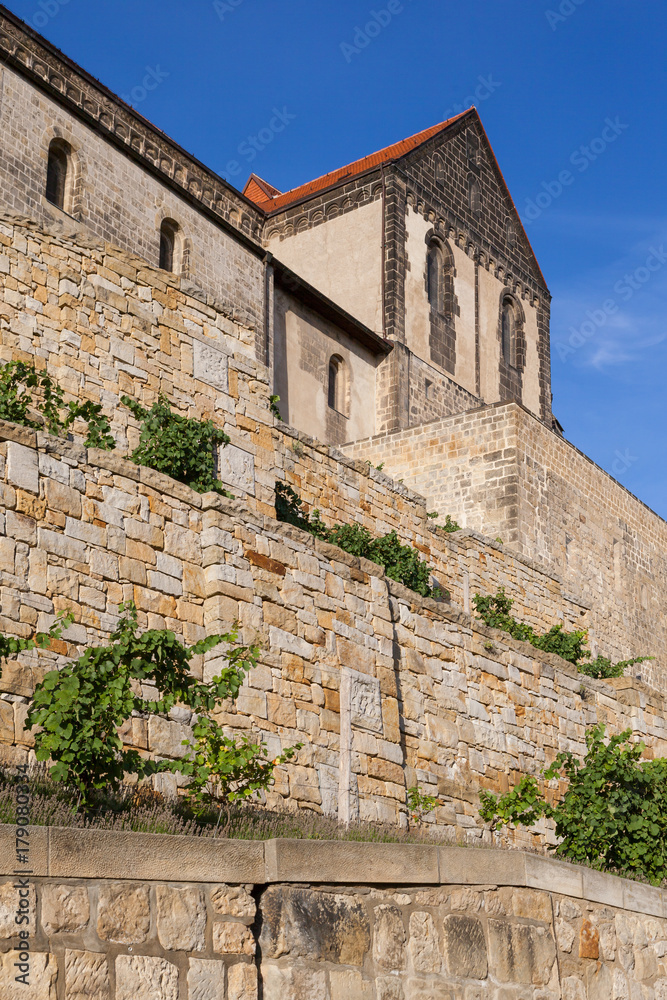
(499, 470)
(386, 690)
(111, 916)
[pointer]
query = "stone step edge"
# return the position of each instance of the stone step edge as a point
(70, 853)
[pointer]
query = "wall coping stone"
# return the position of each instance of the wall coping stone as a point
(108, 854)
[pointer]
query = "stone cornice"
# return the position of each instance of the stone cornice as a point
(33, 57)
(57, 852)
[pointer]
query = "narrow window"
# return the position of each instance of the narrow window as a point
(57, 173)
(337, 390)
(434, 277)
(510, 232)
(474, 195)
(508, 330)
(439, 172)
(169, 245)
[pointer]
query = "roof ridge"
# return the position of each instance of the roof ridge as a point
(387, 154)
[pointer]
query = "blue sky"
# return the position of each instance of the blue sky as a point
(575, 86)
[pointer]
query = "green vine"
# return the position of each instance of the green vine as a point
(180, 447)
(18, 379)
(81, 707)
(613, 814)
(400, 562)
(494, 610)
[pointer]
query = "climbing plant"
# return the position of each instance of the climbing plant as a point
(181, 447)
(613, 814)
(23, 390)
(401, 562)
(495, 611)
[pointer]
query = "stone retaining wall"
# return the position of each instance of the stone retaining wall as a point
(385, 689)
(119, 916)
(501, 471)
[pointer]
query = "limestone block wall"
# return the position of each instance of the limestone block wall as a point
(116, 917)
(499, 470)
(385, 689)
(105, 324)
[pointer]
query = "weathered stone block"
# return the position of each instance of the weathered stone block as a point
(236, 468)
(9, 903)
(242, 982)
(86, 976)
(181, 918)
(206, 980)
(464, 947)
(520, 953)
(389, 938)
(22, 467)
(232, 938)
(139, 977)
(123, 913)
(43, 969)
(232, 901)
(424, 943)
(210, 365)
(321, 926)
(64, 908)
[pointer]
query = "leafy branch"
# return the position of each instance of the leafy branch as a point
(613, 814)
(17, 379)
(178, 446)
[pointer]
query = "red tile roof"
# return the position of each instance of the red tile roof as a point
(259, 191)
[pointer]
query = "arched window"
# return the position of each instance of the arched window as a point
(440, 279)
(337, 387)
(169, 245)
(508, 332)
(510, 232)
(58, 174)
(474, 195)
(434, 280)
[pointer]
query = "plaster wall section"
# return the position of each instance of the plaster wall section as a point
(490, 290)
(341, 256)
(117, 200)
(304, 345)
(464, 290)
(417, 310)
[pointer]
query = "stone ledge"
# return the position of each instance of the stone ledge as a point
(103, 854)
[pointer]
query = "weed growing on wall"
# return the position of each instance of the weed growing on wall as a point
(400, 562)
(180, 447)
(24, 390)
(495, 611)
(613, 815)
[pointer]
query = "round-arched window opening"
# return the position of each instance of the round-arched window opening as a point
(58, 174)
(337, 384)
(169, 245)
(508, 332)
